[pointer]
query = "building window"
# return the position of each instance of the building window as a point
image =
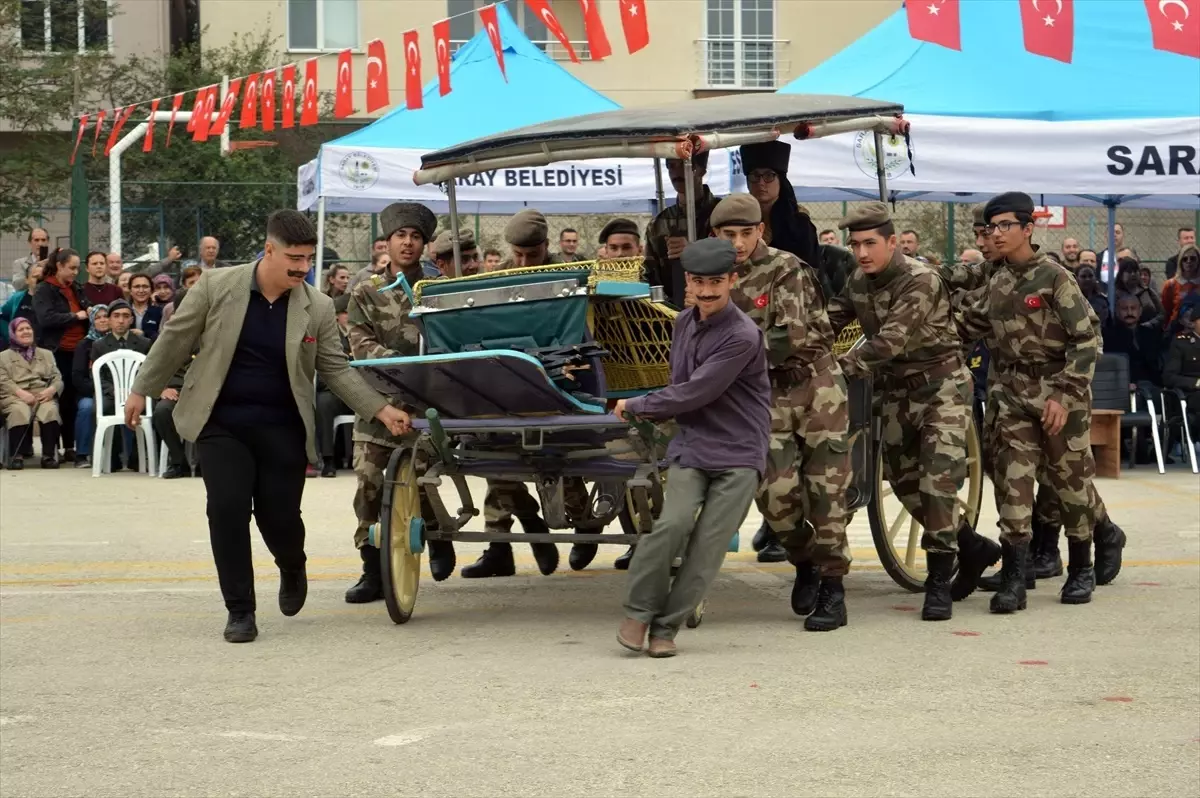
(322, 24)
(64, 26)
(464, 23)
(740, 44)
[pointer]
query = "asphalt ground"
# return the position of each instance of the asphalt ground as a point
(115, 681)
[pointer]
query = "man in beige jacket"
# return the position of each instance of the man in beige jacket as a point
(247, 402)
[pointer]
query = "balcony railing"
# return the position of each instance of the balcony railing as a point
(552, 48)
(749, 64)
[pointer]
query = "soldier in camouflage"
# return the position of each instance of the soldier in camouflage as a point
(923, 393)
(380, 327)
(808, 465)
(1044, 346)
(667, 235)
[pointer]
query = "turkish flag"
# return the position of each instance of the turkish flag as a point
(487, 15)
(174, 109)
(308, 111)
(441, 50)
(197, 109)
(289, 95)
(378, 95)
(343, 103)
(546, 15)
(936, 21)
(412, 70)
(227, 104)
(267, 93)
(633, 21)
(1049, 27)
(83, 120)
(206, 100)
(597, 39)
(99, 124)
(250, 103)
(1175, 25)
(119, 120)
(148, 144)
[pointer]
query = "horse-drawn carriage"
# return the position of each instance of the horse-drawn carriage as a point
(518, 367)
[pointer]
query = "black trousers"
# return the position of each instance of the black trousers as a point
(68, 401)
(329, 407)
(252, 469)
(164, 427)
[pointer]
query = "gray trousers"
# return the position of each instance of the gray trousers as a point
(722, 498)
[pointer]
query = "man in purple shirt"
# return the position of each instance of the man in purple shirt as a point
(720, 397)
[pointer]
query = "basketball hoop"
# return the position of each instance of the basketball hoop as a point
(234, 146)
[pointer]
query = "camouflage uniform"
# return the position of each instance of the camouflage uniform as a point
(672, 222)
(1044, 343)
(808, 465)
(923, 388)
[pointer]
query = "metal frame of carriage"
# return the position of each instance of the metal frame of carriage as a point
(468, 430)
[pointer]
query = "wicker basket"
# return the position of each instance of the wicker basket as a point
(847, 338)
(623, 270)
(637, 335)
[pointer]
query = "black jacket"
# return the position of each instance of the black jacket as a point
(81, 370)
(1183, 363)
(54, 314)
(151, 321)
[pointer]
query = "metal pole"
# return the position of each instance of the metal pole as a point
(689, 195)
(879, 170)
(450, 194)
(320, 242)
(225, 150)
(950, 245)
(1112, 255)
(659, 198)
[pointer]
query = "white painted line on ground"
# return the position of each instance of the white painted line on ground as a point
(5, 721)
(404, 738)
(248, 735)
(60, 543)
(1189, 533)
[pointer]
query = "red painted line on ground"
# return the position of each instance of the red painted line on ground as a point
(1033, 662)
(1118, 699)
(965, 634)
(904, 608)
(1149, 584)
(754, 684)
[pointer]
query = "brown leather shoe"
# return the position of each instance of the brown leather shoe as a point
(660, 648)
(632, 634)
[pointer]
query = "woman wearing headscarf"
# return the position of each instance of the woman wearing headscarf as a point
(163, 290)
(30, 382)
(81, 378)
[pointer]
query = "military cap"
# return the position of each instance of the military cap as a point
(443, 245)
(709, 257)
(341, 303)
(527, 229)
(1009, 202)
(408, 214)
(868, 216)
(737, 209)
(619, 226)
(773, 155)
(977, 212)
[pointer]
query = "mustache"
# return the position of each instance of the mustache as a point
(707, 298)
(297, 273)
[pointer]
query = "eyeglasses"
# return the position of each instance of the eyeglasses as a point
(1003, 227)
(761, 176)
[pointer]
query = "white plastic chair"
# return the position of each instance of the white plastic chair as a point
(123, 367)
(338, 423)
(164, 457)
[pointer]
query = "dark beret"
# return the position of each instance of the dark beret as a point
(527, 229)
(709, 257)
(443, 245)
(736, 209)
(408, 214)
(617, 226)
(773, 155)
(977, 212)
(341, 303)
(868, 216)
(1008, 202)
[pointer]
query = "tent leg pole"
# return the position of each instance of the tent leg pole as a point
(690, 195)
(879, 170)
(659, 199)
(450, 194)
(320, 243)
(1111, 203)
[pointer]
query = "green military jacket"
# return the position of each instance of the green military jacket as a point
(906, 318)
(779, 292)
(672, 222)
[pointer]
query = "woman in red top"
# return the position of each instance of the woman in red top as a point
(1185, 281)
(63, 323)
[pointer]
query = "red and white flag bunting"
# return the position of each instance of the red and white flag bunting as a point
(249, 116)
(487, 15)
(635, 25)
(343, 100)
(378, 95)
(1175, 26)
(935, 21)
(288, 108)
(148, 143)
(1049, 27)
(546, 15)
(594, 27)
(267, 93)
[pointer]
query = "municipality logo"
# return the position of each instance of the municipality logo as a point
(359, 171)
(895, 154)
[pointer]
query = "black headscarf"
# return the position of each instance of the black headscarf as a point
(792, 231)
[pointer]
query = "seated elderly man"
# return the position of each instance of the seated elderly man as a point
(443, 253)
(29, 386)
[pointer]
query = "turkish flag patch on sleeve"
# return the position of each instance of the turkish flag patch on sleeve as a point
(1033, 302)
(762, 301)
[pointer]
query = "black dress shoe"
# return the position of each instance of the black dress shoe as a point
(240, 627)
(68, 456)
(762, 537)
(328, 469)
(804, 589)
(177, 472)
(49, 463)
(497, 560)
(622, 562)
(16, 464)
(1110, 541)
(581, 555)
(370, 585)
(441, 559)
(773, 552)
(293, 590)
(830, 612)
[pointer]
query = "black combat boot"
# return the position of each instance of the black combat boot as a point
(1047, 560)
(938, 604)
(622, 562)
(240, 628)
(804, 590)
(581, 555)
(370, 584)
(830, 611)
(1011, 595)
(1081, 579)
(496, 560)
(1110, 540)
(546, 554)
(293, 590)
(773, 551)
(762, 537)
(975, 555)
(441, 559)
